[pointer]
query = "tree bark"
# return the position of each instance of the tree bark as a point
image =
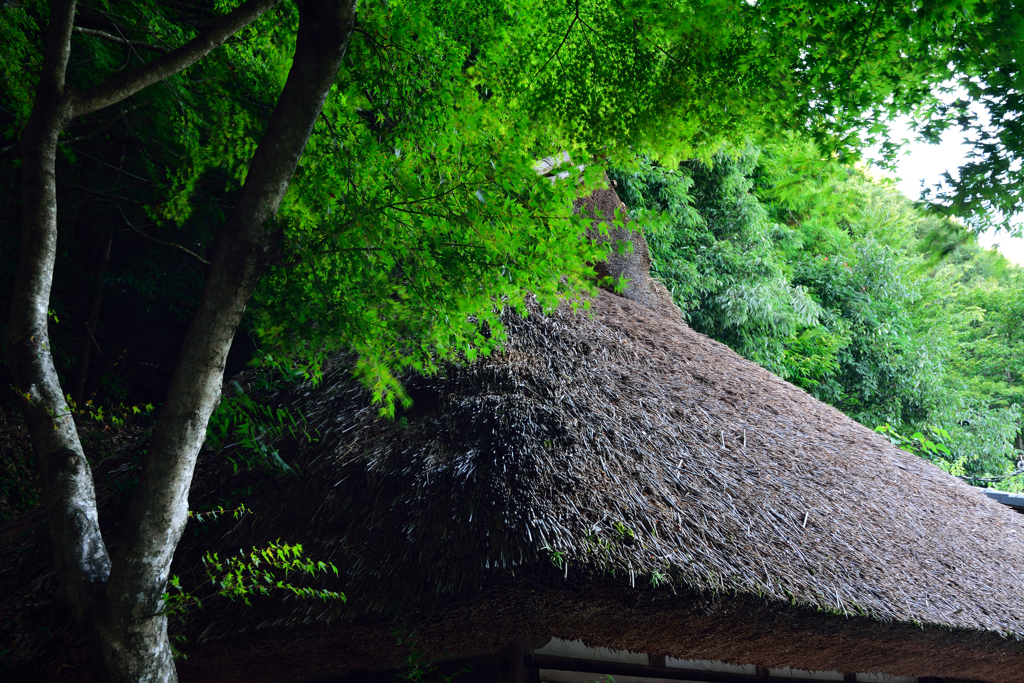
(159, 509)
(79, 554)
(119, 605)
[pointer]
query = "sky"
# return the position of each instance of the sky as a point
(921, 161)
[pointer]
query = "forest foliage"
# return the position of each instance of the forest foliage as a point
(825, 274)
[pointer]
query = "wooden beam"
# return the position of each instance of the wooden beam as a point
(643, 671)
(517, 664)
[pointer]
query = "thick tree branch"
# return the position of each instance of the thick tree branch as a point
(171, 63)
(159, 508)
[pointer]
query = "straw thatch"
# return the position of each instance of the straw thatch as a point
(539, 491)
(632, 263)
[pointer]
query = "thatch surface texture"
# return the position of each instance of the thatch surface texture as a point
(631, 444)
(537, 492)
(625, 445)
(632, 263)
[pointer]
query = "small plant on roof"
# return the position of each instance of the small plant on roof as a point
(253, 427)
(599, 544)
(557, 557)
(626, 535)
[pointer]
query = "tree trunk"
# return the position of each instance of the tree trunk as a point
(159, 509)
(79, 554)
(119, 605)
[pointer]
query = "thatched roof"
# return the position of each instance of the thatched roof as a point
(538, 491)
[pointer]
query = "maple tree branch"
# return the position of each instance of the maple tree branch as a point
(171, 63)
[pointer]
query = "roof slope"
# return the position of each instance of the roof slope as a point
(600, 450)
(626, 445)
(627, 442)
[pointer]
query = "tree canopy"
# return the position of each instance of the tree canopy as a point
(429, 97)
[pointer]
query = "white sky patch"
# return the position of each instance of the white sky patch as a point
(921, 165)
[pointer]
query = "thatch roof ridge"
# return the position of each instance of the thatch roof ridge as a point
(626, 443)
(591, 423)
